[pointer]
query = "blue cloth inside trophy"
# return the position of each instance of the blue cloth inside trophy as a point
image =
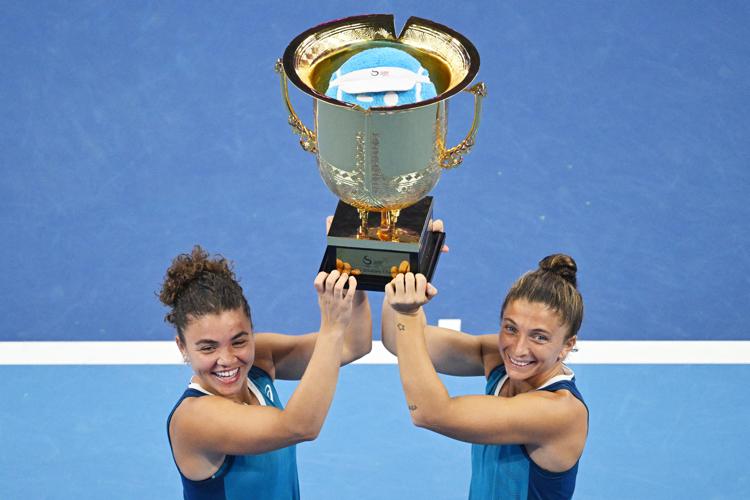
(381, 77)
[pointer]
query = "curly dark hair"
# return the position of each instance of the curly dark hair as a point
(553, 284)
(196, 284)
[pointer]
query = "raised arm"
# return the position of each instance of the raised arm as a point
(286, 356)
(451, 352)
(217, 425)
(531, 418)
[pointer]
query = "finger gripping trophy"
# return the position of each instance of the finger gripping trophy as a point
(380, 106)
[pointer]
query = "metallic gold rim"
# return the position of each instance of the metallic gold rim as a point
(384, 23)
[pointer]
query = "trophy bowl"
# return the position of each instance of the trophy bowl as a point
(383, 161)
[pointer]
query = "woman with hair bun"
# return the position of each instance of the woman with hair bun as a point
(229, 434)
(529, 429)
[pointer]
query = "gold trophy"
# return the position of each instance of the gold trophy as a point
(381, 162)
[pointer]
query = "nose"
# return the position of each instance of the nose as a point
(520, 346)
(226, 357)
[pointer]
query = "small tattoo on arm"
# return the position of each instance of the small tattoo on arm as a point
(401, 327)
(412, 407)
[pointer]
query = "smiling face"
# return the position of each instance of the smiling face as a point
(221, 349)
(532, 343)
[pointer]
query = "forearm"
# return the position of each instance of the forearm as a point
(308, 406)
(358, 335)
(426, 396)
(388, 331)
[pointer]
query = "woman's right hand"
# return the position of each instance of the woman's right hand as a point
(334, 300)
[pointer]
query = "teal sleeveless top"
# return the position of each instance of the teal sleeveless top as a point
(507, 472)
(271, 475)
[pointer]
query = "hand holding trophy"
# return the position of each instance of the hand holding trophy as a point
(380, 105)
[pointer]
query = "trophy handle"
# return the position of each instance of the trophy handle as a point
(451, 158)
(307, 138)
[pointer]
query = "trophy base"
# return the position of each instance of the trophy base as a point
(374, 257)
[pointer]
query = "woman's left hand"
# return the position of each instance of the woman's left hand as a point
(406, 293)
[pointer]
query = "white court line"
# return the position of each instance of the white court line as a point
(590, 352)
(453, 324)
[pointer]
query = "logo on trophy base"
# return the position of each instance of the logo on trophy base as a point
(380, 104)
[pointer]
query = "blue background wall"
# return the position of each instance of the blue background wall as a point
(616, 132)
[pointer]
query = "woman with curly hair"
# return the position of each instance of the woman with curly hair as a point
(529, 429)
(229, 434)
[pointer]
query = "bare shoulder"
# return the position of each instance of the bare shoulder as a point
(563, 404)
(546, 407)
(568, 398)
(563, 445)
(186, 418)
(192, 410)
(193, 462)
(190, 417)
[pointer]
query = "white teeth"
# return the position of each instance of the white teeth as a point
(519, 363)
(227, 374)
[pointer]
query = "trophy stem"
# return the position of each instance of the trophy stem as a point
(394, 219)
(362, 231)
(387, 230)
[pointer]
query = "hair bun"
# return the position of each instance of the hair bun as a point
(186, 268)
(562, 265)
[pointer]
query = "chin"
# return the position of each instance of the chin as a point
(516, 374)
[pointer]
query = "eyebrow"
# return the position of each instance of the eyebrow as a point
(213, 342)
(533, 330)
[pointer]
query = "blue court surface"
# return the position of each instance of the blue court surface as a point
(616, 132)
